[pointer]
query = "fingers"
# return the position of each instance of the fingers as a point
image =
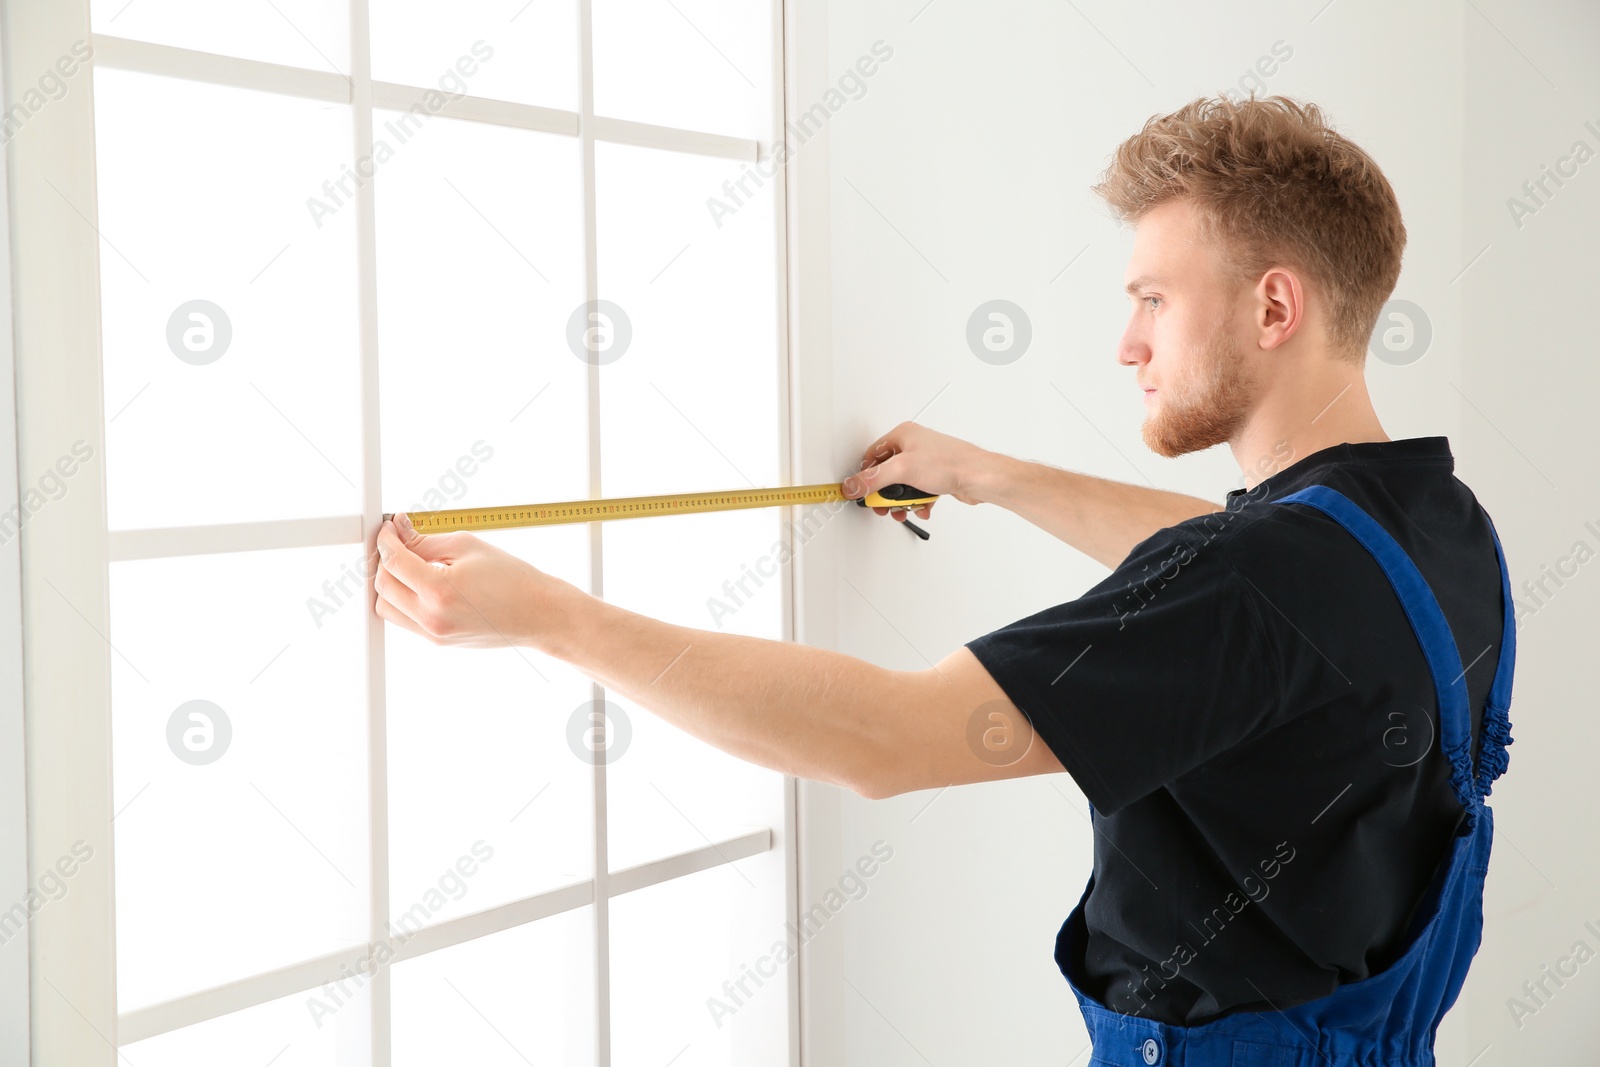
(880, 450)
(900, 513)
(877, 467)
(882, 465)
(390, 613)
(870, 478)
(443, 546)
(401, 561)
(396, 594)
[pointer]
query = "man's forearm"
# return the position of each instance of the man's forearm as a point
(1099, 517)
(790, 707)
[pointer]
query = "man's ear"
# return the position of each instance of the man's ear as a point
(1279, 306)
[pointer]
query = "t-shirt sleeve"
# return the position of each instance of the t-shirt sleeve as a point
(1160, 667)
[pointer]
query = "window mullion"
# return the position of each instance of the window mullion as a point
(591, 292)
(371, 517)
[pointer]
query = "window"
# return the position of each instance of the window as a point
(344, 256)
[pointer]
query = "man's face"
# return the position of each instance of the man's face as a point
(1185, 336)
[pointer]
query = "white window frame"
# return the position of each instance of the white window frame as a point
(14, 999)
(64, 664)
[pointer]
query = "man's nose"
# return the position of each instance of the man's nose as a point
(1132, 350)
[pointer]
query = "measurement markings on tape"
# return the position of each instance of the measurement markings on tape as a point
(631, 507)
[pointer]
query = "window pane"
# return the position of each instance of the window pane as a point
(522, 996)
(480, 762)
(304, 1030)
(529, 50)
(298, 33)
(692, 402)
(230, 353)
(689, 405)
(239, 748)
(668, 791)
(699, 969)
(695, 64)
(311, 34)
(480, 266)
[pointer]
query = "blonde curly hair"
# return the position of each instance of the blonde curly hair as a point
(1274, 184)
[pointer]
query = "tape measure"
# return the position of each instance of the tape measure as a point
(636, 507)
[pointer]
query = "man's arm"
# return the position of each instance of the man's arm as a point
(1100, 518)
(810, 712)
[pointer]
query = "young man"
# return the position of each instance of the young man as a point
(1274, 707)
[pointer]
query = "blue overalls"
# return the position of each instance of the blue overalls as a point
(1387, 1019)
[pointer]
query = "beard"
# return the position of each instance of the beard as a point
(1208, 406)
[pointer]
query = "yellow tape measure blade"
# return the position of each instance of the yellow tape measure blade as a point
(569, 511)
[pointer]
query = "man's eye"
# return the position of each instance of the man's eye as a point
(1150, 298)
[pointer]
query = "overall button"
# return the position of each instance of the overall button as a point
(1151, 1050)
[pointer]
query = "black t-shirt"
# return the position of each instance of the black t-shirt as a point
(1249, 713)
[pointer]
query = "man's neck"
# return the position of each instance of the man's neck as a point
(1333, 410)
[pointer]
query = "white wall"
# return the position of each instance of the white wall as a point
(962, 175)
(1530, 379)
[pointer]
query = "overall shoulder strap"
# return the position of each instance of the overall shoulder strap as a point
(1492, 755)
(1427, 619)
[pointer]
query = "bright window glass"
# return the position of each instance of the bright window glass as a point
(228, 312)
(303, 1030)
(522, 996)
(233, 393)
(479, 753)
(696, 64)
(480, 265)
(693, 963)
(525, 51)
(241, 820)
(668, 791)
(692, 402)
(299, 33)
(689, 405)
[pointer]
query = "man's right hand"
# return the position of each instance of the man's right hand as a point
(917, 456)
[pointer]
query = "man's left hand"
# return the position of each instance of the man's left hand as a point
(457, 589)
